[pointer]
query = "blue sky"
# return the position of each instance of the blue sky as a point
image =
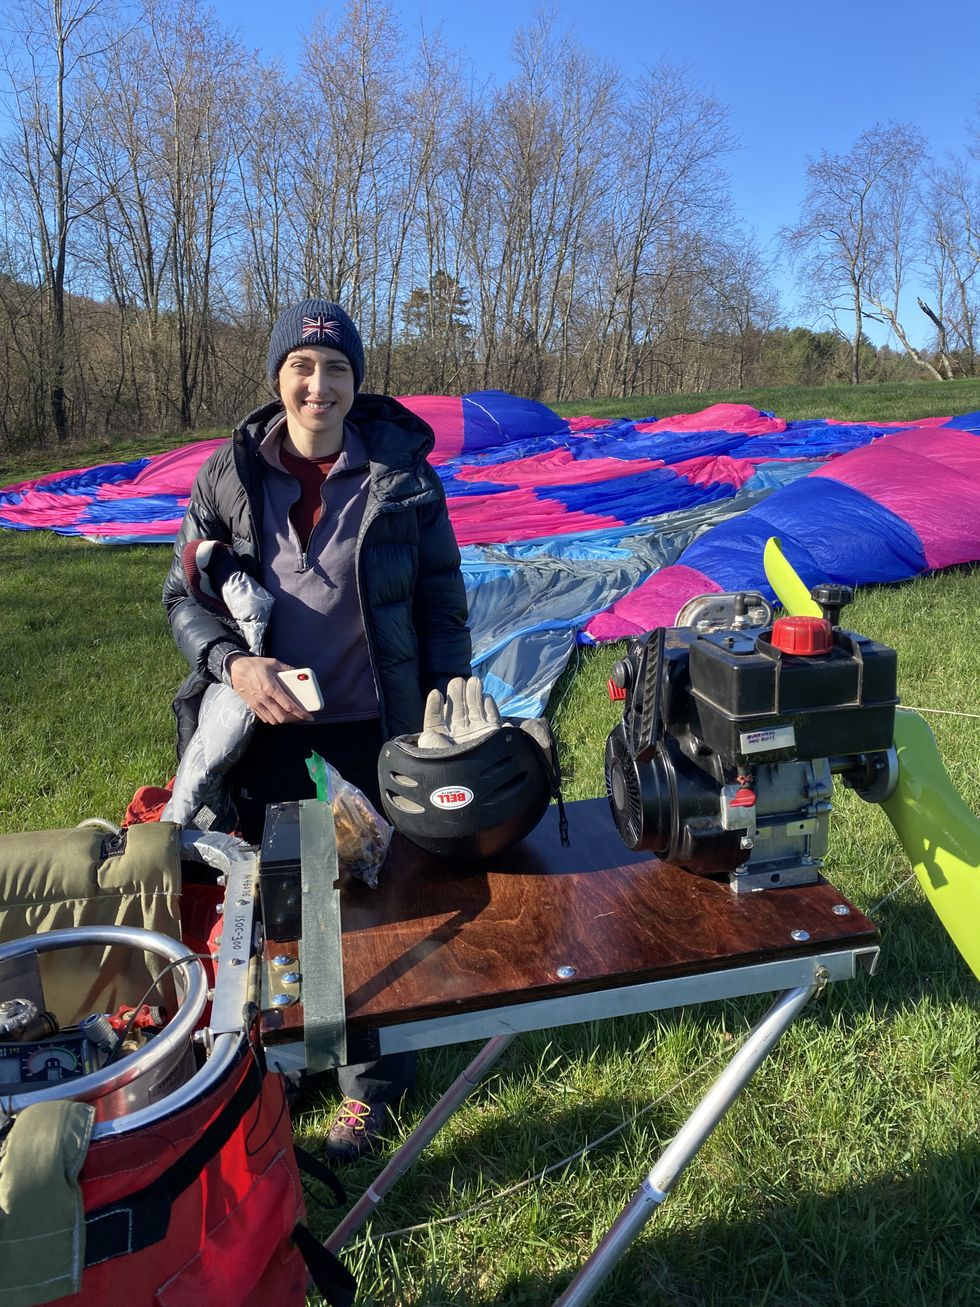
(797, 78)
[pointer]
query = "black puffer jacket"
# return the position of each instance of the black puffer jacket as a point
(409, 582)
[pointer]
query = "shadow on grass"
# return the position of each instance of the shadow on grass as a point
(895, 1241)
(892, 1241)
(918, 959)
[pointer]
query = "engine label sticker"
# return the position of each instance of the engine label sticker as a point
(451, 796)
(775, 737)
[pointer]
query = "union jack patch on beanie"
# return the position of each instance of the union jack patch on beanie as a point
(315, 322)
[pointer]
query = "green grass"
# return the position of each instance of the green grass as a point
(898, 402)
(86, 680)
(848, 1173)
(23, 465)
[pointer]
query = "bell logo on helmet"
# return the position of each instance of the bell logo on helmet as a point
(451, 796)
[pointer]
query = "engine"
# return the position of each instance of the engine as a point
(733, 729)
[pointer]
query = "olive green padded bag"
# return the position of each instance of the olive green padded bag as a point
(42, 1216)
(50, 880)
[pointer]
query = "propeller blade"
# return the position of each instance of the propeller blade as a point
(939, 833)
(790, 590)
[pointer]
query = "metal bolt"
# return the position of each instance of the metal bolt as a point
(291, 978)
(841, 910)
(241, 903)
(219, 908)
(565, 973)
(235, 962)
(283, 960)
(283, 1000)
(800, 935)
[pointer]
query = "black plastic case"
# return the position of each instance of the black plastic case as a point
(280, 885)
(840, 703)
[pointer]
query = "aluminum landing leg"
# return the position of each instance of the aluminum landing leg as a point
(686, 1143)
(424, 1132)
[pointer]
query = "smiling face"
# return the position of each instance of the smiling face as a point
(316, 386)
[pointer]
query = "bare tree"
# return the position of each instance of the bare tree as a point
(202, 70)
(133, 231)
(269, 271)
(568, 233)
(951, 250)
(54, 55)
(165, 136)
(666, 153)
(738, 283)
(350, 174)
(446, 111)
(897, 212)
(855, 227)
(541, 149)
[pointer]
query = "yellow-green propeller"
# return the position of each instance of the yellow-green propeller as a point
(790, 590)
(940, 834)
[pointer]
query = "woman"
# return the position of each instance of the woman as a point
(326, 498)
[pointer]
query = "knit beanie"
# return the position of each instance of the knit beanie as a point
(315, 322)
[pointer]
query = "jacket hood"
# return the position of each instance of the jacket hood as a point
(393, 435)
(397, 442)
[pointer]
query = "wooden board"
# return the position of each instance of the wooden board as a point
(433, 939)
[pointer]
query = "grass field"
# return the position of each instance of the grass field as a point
(873, 403)
(848, 1173)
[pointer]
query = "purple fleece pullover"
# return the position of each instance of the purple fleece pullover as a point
(316, 618)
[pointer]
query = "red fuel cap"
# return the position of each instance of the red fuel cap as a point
(802, 635)
(615, 691)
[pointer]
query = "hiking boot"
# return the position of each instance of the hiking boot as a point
(356, 1129)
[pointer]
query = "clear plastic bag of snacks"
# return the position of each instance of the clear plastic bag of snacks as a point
(362, 835)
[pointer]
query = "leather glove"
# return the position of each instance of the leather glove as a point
(465, 716)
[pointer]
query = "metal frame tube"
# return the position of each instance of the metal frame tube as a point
(220, 1061)
(239, 863)
(402, 1159)
(686, 1143)
(192, 988)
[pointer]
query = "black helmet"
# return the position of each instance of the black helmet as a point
(469, 801)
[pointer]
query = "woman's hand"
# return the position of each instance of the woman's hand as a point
(256, 681)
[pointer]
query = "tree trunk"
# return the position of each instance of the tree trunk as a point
(943, 345)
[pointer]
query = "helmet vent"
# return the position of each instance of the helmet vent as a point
(409, 782)
(402, 804)
(514, 786)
